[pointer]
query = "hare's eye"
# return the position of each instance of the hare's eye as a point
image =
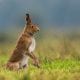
(32, 26)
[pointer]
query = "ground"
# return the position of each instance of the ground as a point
(59, 57)
(54, 70)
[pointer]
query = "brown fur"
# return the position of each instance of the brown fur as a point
(23, 45)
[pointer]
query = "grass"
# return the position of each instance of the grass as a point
(59, 59)
(54, 70)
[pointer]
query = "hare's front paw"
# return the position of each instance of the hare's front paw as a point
(36, 63)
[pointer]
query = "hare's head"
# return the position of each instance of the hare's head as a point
(32, 28)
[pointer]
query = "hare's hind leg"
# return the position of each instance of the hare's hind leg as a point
(13, 66)
(24, 62)
(25, 65)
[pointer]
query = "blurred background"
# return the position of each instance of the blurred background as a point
(59, 21)
(58, 41)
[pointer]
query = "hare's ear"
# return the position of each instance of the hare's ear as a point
(28, 19)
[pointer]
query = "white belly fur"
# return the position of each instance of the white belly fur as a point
(24, 61)
(32, 46)
(25, 57)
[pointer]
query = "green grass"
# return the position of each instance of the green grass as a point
(49, 70)
(59, 59)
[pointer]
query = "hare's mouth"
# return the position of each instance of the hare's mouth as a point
(38, 30)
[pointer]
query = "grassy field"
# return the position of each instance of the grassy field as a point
(59, 57)
(55, 70)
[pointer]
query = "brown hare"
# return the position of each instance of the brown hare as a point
(24, 48)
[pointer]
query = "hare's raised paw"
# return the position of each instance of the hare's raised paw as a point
(37, 65)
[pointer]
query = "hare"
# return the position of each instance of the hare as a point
(24, 48)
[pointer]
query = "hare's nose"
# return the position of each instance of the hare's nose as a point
(38, 29)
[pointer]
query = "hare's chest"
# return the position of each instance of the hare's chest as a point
(32, 46)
